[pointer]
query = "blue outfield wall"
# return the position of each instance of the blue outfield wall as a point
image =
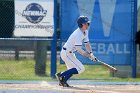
(111, 31)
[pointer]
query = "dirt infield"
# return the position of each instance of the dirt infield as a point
(75, 89)
(45, 87)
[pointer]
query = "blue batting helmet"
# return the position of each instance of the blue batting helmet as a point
(82, 20)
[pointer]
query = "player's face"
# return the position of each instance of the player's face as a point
(85, 26)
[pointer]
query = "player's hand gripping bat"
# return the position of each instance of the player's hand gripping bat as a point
(106, 65)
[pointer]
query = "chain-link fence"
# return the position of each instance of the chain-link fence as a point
(20, 58)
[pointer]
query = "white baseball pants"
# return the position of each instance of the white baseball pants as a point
(71, 61)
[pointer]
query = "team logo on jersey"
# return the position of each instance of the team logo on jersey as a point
(34, 13)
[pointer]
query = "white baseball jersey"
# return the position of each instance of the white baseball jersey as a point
(75, 39)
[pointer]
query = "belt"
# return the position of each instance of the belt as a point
(66, 49)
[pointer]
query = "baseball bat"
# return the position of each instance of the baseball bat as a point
(106, 65)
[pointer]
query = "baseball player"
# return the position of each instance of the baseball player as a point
(74, 44)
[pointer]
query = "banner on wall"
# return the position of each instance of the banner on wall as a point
(110, 30)
(34, 18)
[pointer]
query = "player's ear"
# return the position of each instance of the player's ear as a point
(81, 25)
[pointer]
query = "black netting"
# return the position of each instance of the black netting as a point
(6, 18)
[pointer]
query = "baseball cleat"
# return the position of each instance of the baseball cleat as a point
(66, 84)
(59, 78)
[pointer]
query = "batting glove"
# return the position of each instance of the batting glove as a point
(92, 57)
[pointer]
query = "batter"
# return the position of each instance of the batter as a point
(74, 43)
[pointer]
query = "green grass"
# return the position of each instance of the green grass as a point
(98, 73)
(24, 70)
(19, 70)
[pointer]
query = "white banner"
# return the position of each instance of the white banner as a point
(34, 18)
